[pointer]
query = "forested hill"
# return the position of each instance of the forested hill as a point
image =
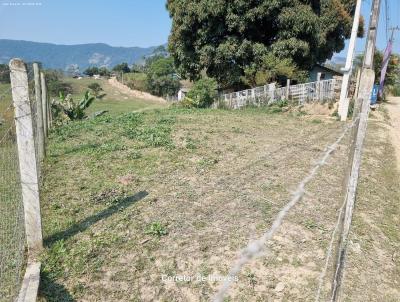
(62, 56)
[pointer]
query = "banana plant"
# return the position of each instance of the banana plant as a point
(72, 110)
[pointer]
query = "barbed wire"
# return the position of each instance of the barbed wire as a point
(331, 245)
(329, 253)
(256, 247)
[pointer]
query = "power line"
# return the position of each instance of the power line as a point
(387, 19)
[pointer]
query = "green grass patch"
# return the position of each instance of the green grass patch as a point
(113, 100)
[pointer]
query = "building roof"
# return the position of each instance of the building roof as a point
(329, 69)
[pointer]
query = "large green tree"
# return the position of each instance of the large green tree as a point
(160, 77)
(393, 70)
(225, 38)
(123, 67)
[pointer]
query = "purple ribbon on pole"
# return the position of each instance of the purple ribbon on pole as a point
(385, 63)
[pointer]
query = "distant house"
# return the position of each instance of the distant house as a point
(182, 93)
(322, 72)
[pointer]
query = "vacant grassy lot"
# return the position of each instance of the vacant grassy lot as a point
(131, 198)
(113, 100)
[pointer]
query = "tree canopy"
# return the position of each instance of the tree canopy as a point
(102, 71)
(123, 67)
(392, 74)
(160, 76)
(55, 83)
(224, 38)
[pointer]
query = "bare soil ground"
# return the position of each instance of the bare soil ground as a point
(372, 271)
(114, 100)
(393, 108)
(134, 93)
(132, 200)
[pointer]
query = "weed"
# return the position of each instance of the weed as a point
(310, 224)
(296, 262)
(110, 146)
(316, 121)
(351, 108)
(252, 279)
(135, 154)
(207, 163)
(156, 229)
(191, 143)
(236, 130)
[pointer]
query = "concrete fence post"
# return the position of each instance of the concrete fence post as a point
(39, 113)
(50, 112)
(45, 104)
(287, 89)
(318, 88)
(357, 85)
(26, 154)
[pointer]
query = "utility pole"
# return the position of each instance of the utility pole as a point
(361, 113)
(344, 101)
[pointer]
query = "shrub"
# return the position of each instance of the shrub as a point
(137, 81)
(203, 93)
(186, 103)
(91, 71)
(55, 84)
(162, 85)
(123, 67)
(95, 89)
(396, 90)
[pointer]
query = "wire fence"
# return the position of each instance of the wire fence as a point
(33, 104)
(20, 236)
(257, 247)
(14, 256)
(12, 231)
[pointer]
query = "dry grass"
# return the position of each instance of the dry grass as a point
(373, 264)
(209, 182)
(130, 199)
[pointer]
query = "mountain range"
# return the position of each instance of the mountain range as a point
(64, 56)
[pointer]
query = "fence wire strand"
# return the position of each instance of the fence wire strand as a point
(12, 231)
(256, 247)
(32, 98)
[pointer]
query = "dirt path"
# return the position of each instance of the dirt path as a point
(134, 93)
(394, 112)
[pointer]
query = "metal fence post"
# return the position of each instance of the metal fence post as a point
(26, 154)
(39, 112)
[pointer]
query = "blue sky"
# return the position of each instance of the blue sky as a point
(118, 23)
(394, 20)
